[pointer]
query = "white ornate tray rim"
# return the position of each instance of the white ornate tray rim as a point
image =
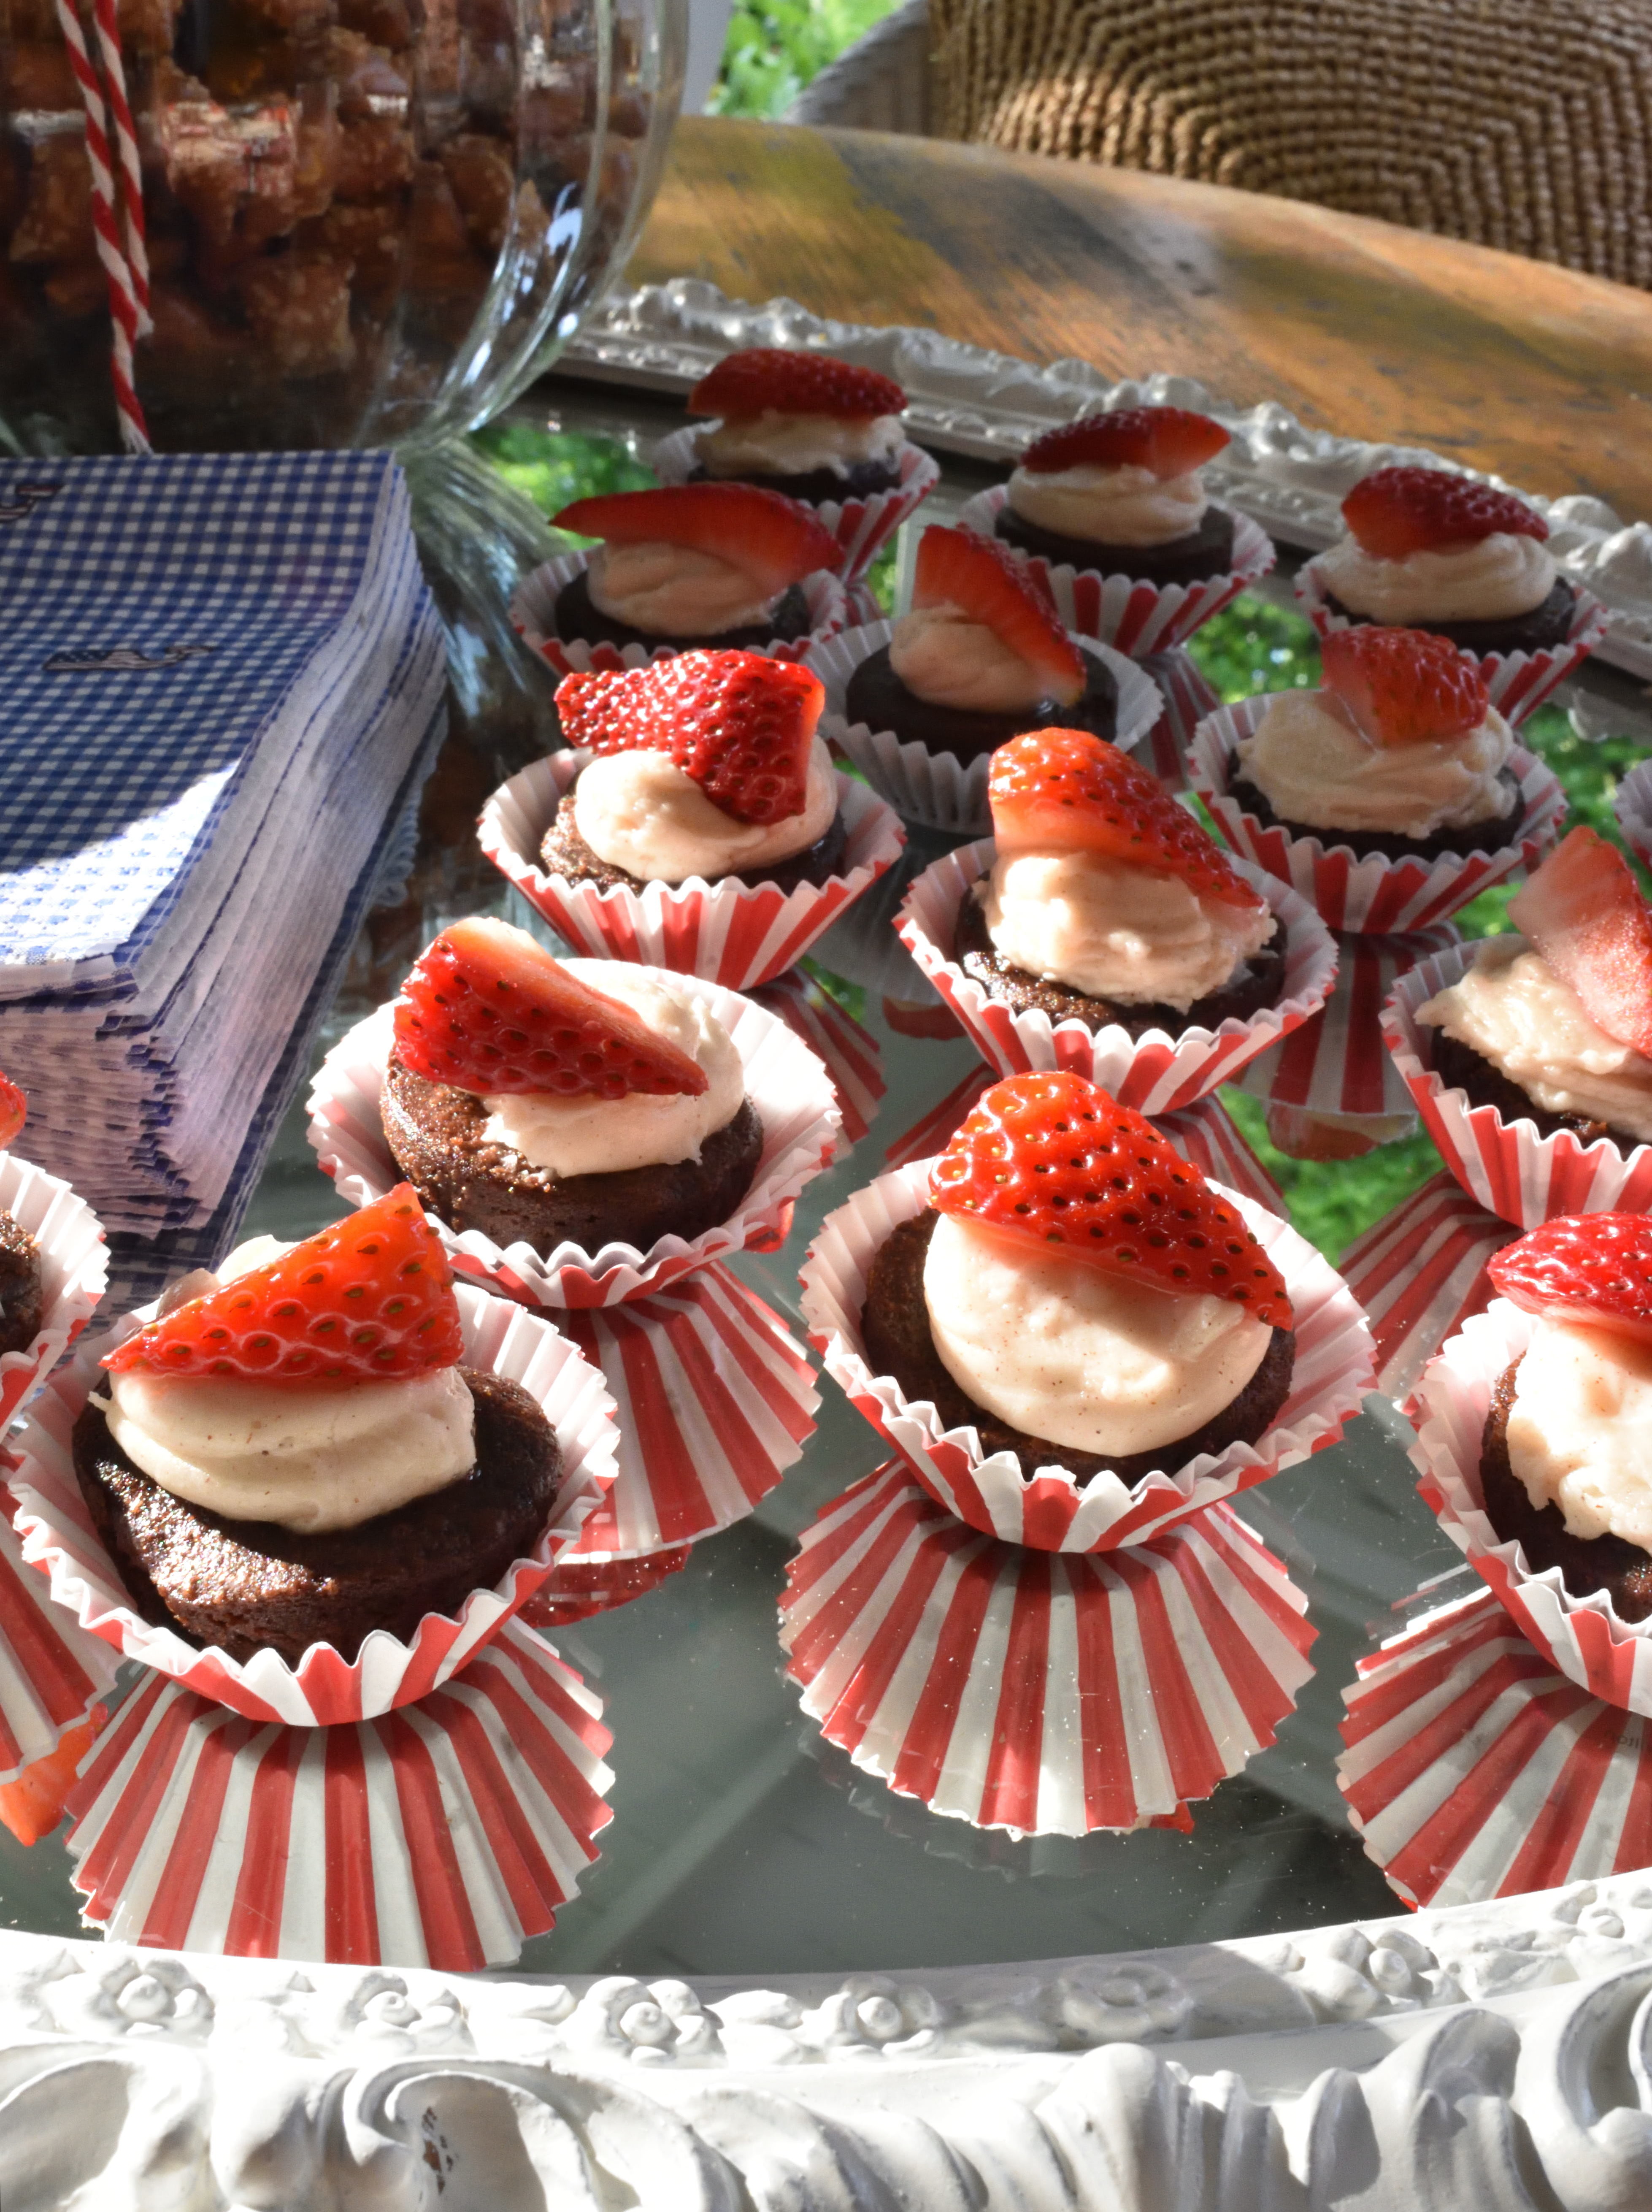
(963, 399)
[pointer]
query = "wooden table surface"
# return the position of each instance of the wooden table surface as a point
(1505, 364)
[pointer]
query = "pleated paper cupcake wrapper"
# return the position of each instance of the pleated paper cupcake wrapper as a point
(578, 1589)
(1155, 1072)
(1517, 682)
(1632, 804)
(1419, 1273)
(444, 1834)
(712, 1400)
(850, 1054)
(324, 1688)
(74, 1272)
(533, 618)
(1127, 611)
(1048, 1507)
(1505, 1166)
(1382, 896)
(1188, 699)
(788, 1088)
(938, 790)
(52, 1671)
(1473, 1769)
(1049, 1694)
(862, 527)
(1335, 1063)
(729, 932)
(1584, 1636)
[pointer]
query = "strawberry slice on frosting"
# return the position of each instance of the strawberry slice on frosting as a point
(983, 634)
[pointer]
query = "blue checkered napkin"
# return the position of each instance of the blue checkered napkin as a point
(121, 747)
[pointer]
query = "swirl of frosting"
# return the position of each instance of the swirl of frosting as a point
(673, 591)
(777, 444)
(1313, 765)
(1132, 934)
(309, 1460)
(942, 656)
(640, 812)
(1512, 1009)
(1062, 1350)
(1580, 1429)
(1482, 579)
(1127, 505)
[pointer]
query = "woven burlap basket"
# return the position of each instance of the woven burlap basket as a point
(1520, 123)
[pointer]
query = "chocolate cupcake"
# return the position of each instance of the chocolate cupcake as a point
(787, 619)
(805, 424)
(564, 852)
(22, 1295)
(876, 697)
(1544, 626)
(1484, 836)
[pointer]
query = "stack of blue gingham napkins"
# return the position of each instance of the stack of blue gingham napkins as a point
(223, 687)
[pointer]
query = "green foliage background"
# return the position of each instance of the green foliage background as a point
(774, 50)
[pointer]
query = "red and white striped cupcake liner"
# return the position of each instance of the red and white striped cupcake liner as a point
(1518, 683)
(1137, 616)
(1472, 1769)
(1506, 1166)
(939, 790)
(533, 618)
(1419, 1273)
(1385, 897)
(58, 1541)
(52, 1671)
(729, 932)
(850, 1053)
(443, 1834)
(73, 1274)
(1188, 699)
(1155, 1072)
(1047, 1508)
(789, 1090)
(577, 1589)
(1043, 1693)
(862, 526)
(1584, 1636)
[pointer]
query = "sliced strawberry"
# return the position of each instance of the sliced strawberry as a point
(369, 1300)
(772, 539)
(32, 1805)
(488, 1009)
(762, 377)
(741, 725)
(958, 568)
(1396, 511)
(1055, 1161)
(1404, 687)
(1171, 441)
(1072, 790)
(1593, 1269)
(12, 1112)
(1583, 911)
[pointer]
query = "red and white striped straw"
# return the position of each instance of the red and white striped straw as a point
(130, 176)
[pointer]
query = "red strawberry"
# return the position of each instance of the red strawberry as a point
(13, 1111)
(488, 1009)
(745, 384)
(1169, 440)
(768, 537)
(1584, 913)
(741, 725)
(1395, 511)
(1404, 687)
(370, 1299)
(1594, 1269)
(1052, 1159)
(958, 568)
(1070, 789)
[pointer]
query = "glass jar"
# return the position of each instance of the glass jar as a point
(368, 222)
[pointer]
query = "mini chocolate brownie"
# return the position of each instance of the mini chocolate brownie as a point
(1472, 837)
(876, 695)
(23, 1296)
(243, 1586)
(1546, 625)
(895, 1323)
(563, 852)
(1257, 984)
(1606, 1563)
(1189, 559)
(814, 486)
(1460, 1068)
(434, 1131)
(579, 619)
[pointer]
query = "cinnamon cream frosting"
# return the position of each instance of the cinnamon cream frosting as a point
(673, 591)
(640, 812)
(1063, 1350)
(1125, 506)
(941, 655)
(778, 444)
(1580, 1428)
(1482, 580)
(1314, 764)
(1512, 1009)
